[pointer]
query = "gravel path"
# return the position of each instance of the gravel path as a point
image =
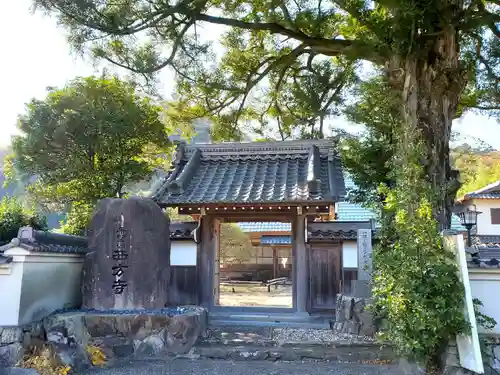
(213, 367)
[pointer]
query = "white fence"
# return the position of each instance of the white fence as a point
(36, 284)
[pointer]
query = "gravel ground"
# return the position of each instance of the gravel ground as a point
(212, 367)
(255, 295)
(314, 335)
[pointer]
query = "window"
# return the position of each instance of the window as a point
(495, 216)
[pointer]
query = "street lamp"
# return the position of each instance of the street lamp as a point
(468, 218)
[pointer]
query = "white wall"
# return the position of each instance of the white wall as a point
(484, 225)
(39, 284)
(485, 285)
(11, 276)
(183, 253)
(350, 254)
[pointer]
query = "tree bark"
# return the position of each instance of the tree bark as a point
(431, 85)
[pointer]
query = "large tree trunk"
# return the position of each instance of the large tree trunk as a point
(431, 84)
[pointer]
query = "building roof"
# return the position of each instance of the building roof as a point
(336, 230)
(488, 246)
(42, 241)
(253, 173)
(491, 191)
(276, 240)
(266, 226)
(182, 231)
(346, 211)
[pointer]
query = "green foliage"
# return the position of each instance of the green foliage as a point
(78, 219)
(13, 215)
(262, 53)
(423, 304)
(87, 140)
(235, 245)
(476, 169)
(368, 158)
(483, 320)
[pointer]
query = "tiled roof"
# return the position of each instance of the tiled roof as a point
(495, 195)
(336, 230)
(266, 226)
(491, 191)
(258, 172)
(276, 240)
(41, 241)
(182, 231)
(488, 247)
(347, 211)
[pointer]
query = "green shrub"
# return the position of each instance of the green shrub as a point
(14, 215)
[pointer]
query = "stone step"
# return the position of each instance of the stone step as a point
(263, 319)
(262, 323)
(288, 344)
(334, 352)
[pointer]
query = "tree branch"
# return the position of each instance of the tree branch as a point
(167, 62)
(329, 47)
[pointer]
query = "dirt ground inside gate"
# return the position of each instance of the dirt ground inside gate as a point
(255, 295)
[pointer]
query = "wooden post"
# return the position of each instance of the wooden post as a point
(300, 265)
(206, 262)
(275, 263)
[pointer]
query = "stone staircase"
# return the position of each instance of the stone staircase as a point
(241, 343)
(226, 319)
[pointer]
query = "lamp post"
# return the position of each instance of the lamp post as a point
(468, 218)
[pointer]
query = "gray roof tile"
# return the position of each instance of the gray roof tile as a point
(37, 240)
(258, 172)
(493, 195)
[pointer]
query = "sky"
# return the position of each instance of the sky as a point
(36, 56)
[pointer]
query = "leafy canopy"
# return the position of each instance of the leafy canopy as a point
(239, 62)
(87, 140)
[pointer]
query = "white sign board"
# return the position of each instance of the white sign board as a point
(183, 253)
(469, 351)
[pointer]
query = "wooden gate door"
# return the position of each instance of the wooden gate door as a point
(325, 270)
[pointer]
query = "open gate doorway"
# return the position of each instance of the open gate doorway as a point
(254, 268)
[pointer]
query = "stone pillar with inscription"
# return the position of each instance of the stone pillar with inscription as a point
(128, 265)
(362, 286)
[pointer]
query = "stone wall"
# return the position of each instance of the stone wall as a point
(14, 341)
(352, 316)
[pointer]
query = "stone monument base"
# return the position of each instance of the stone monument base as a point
(81, 339)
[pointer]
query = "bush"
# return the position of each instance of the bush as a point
(13, 215)
(78, 219)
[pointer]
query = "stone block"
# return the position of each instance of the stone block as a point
(11, 355)
(410, 368)
(212, 352)
(123, 350)
(100, 326)
(249, 355)
(184, 330)
(150, 346)
(129, 260)
(10, 335)
(310, 353)
(20, 371)
(128, 334)
(496, 351)
(75, 357)
(351, 327)
(361, 288)
(343, 310)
